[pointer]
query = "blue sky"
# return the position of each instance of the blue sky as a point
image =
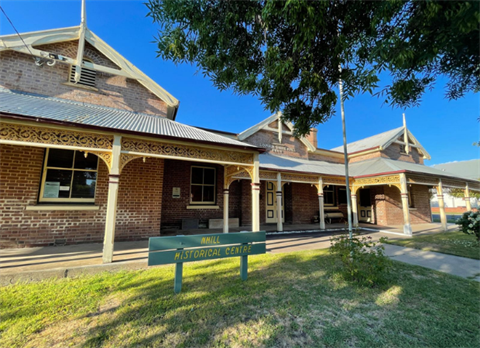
(445, 128)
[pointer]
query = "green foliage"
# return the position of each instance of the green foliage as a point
(460, 193)
(363, 261)
(288, 53)
(470, 223)
(426, 39)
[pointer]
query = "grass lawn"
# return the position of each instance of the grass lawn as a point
(289, 300)
(455, 243)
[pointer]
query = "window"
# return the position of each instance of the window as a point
(202, 185)
(329, 195)
(68, 176)
(403, 149)
(87, 76)
(342, 196)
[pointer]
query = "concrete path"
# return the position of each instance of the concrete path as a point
(33, 264)
(456, 265)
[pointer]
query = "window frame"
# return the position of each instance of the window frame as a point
(346, 198)
(45, 168)
(203, 184)
(330, 188)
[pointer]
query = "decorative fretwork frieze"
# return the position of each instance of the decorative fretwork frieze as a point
(378, 180)
(300, 178)
(270, 176)
(125, 158)
(185, 151)
(422, 180)
(50, 136)
(474, 186)
(390, 180)
(333, 181)
(453, 183)
(105, 156)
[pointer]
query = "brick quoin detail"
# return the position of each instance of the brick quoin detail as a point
(18, 72)
(138, 212)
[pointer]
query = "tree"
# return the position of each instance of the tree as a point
(460, 193)
(288, 53)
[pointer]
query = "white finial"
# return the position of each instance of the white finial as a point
(405, 134)
(83, 21)
(81, 44)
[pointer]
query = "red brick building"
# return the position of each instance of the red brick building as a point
(90, 152)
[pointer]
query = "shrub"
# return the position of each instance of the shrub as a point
(363, 260)
(470, 223)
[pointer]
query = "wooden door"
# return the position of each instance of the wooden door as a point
(271, 204)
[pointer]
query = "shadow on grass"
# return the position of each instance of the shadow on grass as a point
(296, 299)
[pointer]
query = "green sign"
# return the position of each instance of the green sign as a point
(204, 247)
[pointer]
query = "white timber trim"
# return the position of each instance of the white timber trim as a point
(264, 125)
(194, 207)
(127, 69)
(61, 207)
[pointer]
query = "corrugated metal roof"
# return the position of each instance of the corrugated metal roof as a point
(370, 167)
(57, 109)
(384, 165)
(268, 161)
(371, 142)
(469, 169)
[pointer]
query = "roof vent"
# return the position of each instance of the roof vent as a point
(87, 76)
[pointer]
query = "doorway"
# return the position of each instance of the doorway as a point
(271, 204)
(364, 206)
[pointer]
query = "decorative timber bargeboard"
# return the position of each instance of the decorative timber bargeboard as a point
(180, 249)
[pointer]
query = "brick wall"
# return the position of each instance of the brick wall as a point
(388, 205)
(304, 203)
(177, 174)
(318, 157)
(364, 157)
(138, 214)
(246, 201)
(393, 152)
(263, 138)
(139, 206)
(18, 72)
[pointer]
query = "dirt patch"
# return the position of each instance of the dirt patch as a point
(75, 331)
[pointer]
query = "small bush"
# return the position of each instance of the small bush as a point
(363, 260)
(470, 223)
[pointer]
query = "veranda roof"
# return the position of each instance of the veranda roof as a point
(39, 106)
(273, 162)
(372, 167)
(470, 169)
(380, 165)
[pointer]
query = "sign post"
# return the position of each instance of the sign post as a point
(177, 283)
(180, 249)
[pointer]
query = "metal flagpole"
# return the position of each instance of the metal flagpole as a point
(345, 156)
